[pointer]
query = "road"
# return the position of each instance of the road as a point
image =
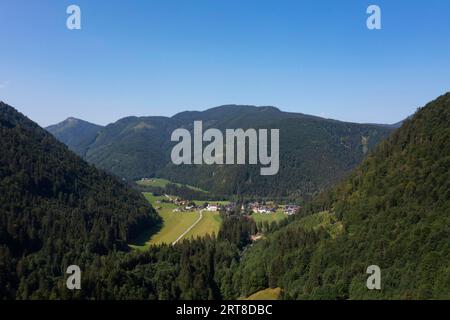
(167, 196)
(190, 228)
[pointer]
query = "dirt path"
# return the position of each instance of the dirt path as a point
(189, 229)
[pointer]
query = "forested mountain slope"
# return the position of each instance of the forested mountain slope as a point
(55, 209)
(75, 133)
(133, 147)
(314, 152)
(394, 212)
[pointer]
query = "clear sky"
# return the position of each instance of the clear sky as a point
(160, 57)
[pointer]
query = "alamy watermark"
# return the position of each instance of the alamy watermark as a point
(235, 150)
(374, 280)
(374, 20)
(73, 22)
(74, 280)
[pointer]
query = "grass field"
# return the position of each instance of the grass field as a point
(161, 183)
(266, 294)
(201, 202)
(269, 217)
(175, 223)
(209, 224)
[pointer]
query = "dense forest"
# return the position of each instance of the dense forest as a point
(55, 208)
(392, 211)
(182, 191)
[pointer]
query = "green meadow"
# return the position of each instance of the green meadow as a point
(176, 223)
(269, 217)
(210, 224)
(161, 183)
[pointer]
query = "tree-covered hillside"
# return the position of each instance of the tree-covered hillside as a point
(394, 212)
(133, 147)
(314, 152)
(55, 209)
(75, 133)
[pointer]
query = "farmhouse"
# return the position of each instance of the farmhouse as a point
(265, 210)
(256, 207)
(230, 207)
(212, 207)
(291, 209)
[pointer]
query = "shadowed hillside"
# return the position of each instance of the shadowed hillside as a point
(55, 209)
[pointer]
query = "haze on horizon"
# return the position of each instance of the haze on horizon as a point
(148, 58)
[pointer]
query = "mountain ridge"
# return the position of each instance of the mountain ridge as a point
(76, 133)
(324, 150)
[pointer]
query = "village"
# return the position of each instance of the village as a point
(230, 207)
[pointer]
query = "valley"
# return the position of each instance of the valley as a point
(180, 223)
(391, 211)
(174, 224)
(185, 155)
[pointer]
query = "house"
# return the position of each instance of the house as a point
(230, 207)
(256, 207)
(265, 210)
(212, 207)
(291, 209)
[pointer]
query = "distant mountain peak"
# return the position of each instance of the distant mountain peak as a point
(77, 133)
(73, 120)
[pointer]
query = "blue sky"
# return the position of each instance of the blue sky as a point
(160, 57)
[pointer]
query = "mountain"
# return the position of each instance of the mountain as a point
(56, 210)
(393, 211)
(315, 152)
(75, 133)
(133, 147)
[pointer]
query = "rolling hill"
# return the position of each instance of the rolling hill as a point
(315, 152)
